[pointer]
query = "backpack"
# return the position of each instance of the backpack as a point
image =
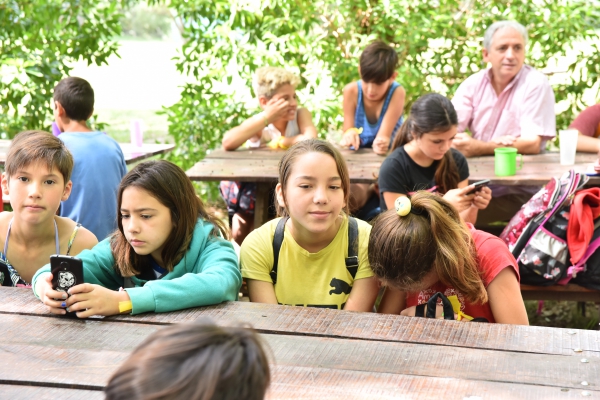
(351, 259)
(537, 234)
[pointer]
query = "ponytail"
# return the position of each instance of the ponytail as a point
(404, 134)
(432, 237)
(446, 174)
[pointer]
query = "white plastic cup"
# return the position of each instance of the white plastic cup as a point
(568, 146)
(137, 135)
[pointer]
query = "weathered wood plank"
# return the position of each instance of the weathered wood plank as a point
(276, 319)
(16, 392)
(532, 174)
(259, 170)
(319, 383)
(363, 165)
(85, 353)
(362, 155)
(434, 361)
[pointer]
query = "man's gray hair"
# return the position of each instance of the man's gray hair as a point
(496, 26)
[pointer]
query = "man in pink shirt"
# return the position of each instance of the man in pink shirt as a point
(507, 104)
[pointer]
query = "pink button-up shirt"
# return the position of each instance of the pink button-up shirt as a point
(524, 108)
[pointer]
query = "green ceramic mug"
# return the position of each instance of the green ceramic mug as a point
(505, 161)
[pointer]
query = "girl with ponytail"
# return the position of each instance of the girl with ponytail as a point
(422, 159)
(421, 247)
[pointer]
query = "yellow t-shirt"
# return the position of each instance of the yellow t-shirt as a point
(306, 279)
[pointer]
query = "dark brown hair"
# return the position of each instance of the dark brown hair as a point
(76, 96)
(31, 147)
(312, 146)
(170, 185)
(432, 237)
(199, 361)
(432, 113)
(378, 62)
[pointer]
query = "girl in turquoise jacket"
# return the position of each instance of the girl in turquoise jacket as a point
(167, 254)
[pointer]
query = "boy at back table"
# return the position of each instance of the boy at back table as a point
(99, 161)
(373, 108)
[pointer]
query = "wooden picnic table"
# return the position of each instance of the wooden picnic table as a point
(131, 153)
(261, 166)
(313, 353)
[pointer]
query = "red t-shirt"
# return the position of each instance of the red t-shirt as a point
(492, 257)
(588, 121)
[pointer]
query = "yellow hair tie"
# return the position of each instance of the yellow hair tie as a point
(402, 205)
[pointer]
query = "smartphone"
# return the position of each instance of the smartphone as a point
(67, 271)
(478, 186)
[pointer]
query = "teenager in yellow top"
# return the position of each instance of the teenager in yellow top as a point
(312, 194)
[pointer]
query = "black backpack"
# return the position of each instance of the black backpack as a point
(351, 259)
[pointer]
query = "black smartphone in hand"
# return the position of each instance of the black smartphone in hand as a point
(67, 271)
(478, 186)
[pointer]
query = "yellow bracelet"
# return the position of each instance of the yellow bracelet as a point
(357, 130)
(125, 306)
(280, 143)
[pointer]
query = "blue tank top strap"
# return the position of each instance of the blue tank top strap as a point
(360, 117)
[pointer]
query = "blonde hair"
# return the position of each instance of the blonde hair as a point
(432, 237)
(268, 79)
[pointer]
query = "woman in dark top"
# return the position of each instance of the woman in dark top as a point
(422, 159)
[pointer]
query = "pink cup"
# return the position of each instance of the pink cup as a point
(137, 135)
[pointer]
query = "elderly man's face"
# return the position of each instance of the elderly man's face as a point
(506, 54)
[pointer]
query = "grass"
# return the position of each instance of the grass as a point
(563, 314)
(154, 126)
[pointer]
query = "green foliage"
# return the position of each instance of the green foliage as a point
(563, 314)
(439, 44)
(38, 41)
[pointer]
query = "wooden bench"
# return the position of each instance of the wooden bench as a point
(570, 292)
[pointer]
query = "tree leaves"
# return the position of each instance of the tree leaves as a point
(38, 41)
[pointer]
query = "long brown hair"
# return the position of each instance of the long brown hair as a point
(432, 237)
(432, 113)
(198, 361)
(168, 184)
(312, 146)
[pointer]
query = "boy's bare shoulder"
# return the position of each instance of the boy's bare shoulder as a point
(351, 88)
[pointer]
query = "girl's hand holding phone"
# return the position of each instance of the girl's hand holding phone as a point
(460, 198)
(88, 299)
(55, 301)
(482, 198)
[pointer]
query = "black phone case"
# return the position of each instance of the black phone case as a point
(478, 186)
(67, 271)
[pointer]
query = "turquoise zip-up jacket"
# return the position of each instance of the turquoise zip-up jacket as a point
(207, 274)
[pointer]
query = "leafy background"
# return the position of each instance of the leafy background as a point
(224, 42)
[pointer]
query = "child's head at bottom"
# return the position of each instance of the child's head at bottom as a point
(313, 175)
(158, 212)
(429, 244)
(194, 361)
